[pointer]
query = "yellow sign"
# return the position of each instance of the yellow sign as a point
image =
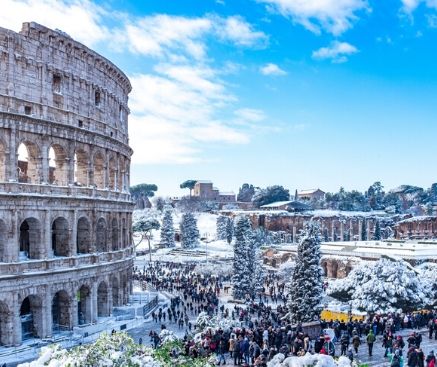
(328, 315)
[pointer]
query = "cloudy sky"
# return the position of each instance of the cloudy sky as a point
(303, 93)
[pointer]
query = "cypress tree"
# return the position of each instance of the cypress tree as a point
(241, 279)
(167, 229)
(377, 234)
(306, 286)
(189, 232)
(221, 225)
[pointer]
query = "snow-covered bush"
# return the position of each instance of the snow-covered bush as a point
(308, 360)
(167, 336)
(286, 269)
(428, 273)
(384, 286)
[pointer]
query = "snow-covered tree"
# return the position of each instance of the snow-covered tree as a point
(241, 279)
(428, 273)
(222, 224)
(229, 230)
(259, 274)
(189, 232)
(306, 286)
(143, 226)
(386, 285)
(167, 229)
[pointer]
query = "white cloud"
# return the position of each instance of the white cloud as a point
(272, 69)
(333, 16)
(250, 115)
(81, 19)
(337, 52)
(236, 30)
(175, 111)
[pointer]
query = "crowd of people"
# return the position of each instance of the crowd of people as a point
(261, 329)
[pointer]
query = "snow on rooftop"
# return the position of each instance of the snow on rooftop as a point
(226, 193)
(204, 181)
(418, 219)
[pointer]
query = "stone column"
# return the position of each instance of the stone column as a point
(47, 235)
(70, 167)
(47, 313)
(74, 308)
(44, 165)
(73, 233)
(13, 251)
(368, 237)
(332, 230)
(94, 302)
(16, 320)
(294, 234)
(12, 158)
(110, 300)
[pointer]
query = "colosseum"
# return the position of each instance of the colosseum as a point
(65, 209)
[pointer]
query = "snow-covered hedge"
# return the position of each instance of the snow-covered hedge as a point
(309, 360)
(384, 286)
(118, 350)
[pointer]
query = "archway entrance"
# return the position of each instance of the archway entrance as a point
(101, 236)
(31, 246)
(61, 311)
(102, 300)
(83, 236)
(114, 236)
(115, 292)
(60, 237)
(31, 317)
(84, 305)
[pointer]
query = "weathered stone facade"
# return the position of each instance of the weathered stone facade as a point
(65, 210)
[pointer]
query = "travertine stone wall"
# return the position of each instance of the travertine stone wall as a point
(65, 210)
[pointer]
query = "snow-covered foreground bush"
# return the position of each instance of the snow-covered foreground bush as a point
(384, 286)
(309, 360)
(117, 350)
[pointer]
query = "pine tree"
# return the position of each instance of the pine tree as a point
(241, 279)
(229, 230)
(222, 224)
(377, 234)
(167, 229)
(306, 286)
(189, 232)
(258, 275)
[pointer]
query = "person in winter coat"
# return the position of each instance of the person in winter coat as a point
(431, 360)
(318, 345)
(344, 342)
(396, 359)
(232, 345)
(420, 357)
(237, 352)
(329, 346)
(370, 340)
(356, 342)
(221, 350)
(412, 358)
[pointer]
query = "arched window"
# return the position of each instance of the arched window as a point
(112, 174)
(60, 237)
(2, 162)
(81, 168)
(58, 166)
(61, 312)
(28, 168)
(102, 300)
(101, 245)
(115, 292)
(84, 305)
(99, 171)
(31, 246)
(83, 238)
(114, 237)
(31, 316)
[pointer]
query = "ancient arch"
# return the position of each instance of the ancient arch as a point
(2, 161)
(61, 311)
(28, 166)
(84, 305)
(102, 300)
(31, 315)
(2, 241)
(31, 245)
(114, 236)
(334, 269)
(81, 177)
(5, 324)
(58, 166)
(99, 171)
(60, 237)
(101, 244)
(83, 236)
(325, 268)
(115, 292)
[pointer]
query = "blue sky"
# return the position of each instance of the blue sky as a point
(314, 93)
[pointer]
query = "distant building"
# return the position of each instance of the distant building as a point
(312, 194)
(205, 190)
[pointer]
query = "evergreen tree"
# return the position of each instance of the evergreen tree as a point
(241, 279)
(222, 224)
(259, 275)
(167, 229)
(363, 230)
(189, 232)
(306, 286)
(229, 230)
(377, 234)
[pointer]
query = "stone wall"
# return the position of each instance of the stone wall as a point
(65, 210)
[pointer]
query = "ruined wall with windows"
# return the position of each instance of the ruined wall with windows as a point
(65, 210)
